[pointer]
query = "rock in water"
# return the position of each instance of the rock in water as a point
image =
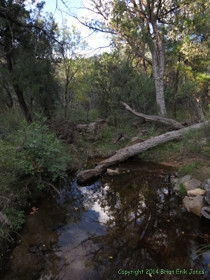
(113, 172)
(194, 204)
(196, 192)
(205, 211)
(206, 186)
(192, 184)
(185, 179)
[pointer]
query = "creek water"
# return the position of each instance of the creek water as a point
(131, 226)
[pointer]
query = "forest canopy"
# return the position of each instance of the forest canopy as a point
(159, 60)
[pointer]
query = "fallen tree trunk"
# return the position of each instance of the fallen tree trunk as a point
(130, 151)
(174, 124)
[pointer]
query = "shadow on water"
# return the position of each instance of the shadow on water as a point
(132, 222)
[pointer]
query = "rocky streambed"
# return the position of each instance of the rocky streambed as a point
(197, 199)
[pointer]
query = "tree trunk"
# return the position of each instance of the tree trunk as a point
(158, 58)
(66, 93)
(159, 88)
(22, 103)
(175, 92)
(123, 154)
(17, 90)
(198, 108)
(176, 81)
(6, 87)
(174, 124)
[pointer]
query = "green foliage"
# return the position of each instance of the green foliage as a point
(107, 133)
(190, 142)
(206, 152)
(40, 153)
(10, 121)
(190, 168)
(29, 159)
(115, 77)
(15, 217)
(182, 189)
(27, 75)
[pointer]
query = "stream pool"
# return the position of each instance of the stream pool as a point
(131, 226)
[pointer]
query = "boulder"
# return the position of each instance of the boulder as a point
(174, 180)
(177, 187)
(184, 179)
(192, 184)
(113, 172)
(196, 192)
(206, 186)
(194, 204)
(205, 211)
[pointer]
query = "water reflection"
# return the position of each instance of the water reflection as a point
(132, 222)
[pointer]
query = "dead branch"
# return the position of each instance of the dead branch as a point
(130, 151)
(172, 123)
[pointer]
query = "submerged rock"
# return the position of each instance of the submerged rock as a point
(194, 204)
(113, 172)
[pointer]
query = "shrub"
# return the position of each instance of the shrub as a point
(40, 152)
(26, 165)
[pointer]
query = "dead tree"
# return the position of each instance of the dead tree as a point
(174, 124)
(130, 151)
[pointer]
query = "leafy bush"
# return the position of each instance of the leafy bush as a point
(26, 165)
(16, 218)
(40, 152)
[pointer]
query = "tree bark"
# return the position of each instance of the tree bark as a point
(174, 124)
(159, 83)
(22, 103)
(6, 87)
(123, 154)
(157, 49)
(198, 108)
(15, 85)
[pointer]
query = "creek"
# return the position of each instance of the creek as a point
(132, 222)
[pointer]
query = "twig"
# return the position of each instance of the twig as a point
(52, 186)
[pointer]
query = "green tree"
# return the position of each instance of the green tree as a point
(26, 42)
(69, 50)
(138, 22)
(188, 46)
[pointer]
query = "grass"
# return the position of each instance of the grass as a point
(190, 169)
(182, 189)
(189, 143)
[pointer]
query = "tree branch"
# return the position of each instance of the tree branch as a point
(173, 123)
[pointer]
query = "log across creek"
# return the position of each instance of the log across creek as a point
(130, 151)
